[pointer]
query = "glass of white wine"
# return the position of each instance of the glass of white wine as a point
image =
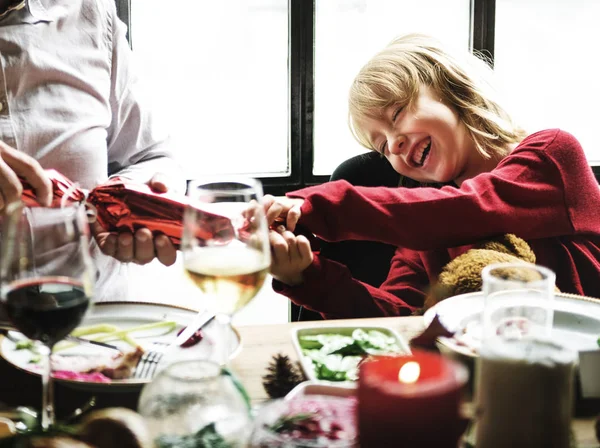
(225, 246)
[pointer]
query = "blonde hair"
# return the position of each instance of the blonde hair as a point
(395, 75)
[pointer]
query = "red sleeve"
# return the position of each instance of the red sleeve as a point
(329, 289)
(544, 188)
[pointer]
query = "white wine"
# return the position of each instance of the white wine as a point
(231, 277)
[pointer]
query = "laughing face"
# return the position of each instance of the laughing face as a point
(425, 141)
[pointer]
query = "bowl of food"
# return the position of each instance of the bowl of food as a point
(334, 353)
(309, 421)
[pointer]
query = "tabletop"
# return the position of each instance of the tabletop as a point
(259, 344)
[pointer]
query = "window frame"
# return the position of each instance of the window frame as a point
(301, 83)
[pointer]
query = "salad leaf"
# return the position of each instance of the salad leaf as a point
(207, 437)
(333, 367)
(287, 422)
(329, 342)
(375, 342)
(335, 357)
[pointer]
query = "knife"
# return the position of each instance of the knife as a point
(84, 341)
(200, 321)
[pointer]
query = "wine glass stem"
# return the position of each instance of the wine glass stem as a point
(47, 389)
(225, 326)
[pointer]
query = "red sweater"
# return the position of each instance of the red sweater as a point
(544, 192)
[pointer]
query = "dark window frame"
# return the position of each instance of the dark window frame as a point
(301, 80)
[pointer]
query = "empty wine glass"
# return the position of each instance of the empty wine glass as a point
(225, 246)
(46, 279)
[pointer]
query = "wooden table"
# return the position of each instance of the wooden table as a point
(260, 343)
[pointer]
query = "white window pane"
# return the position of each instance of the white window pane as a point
(347, 34)
(546, 58)
(219, 74)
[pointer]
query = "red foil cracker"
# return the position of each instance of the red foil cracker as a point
(123, 205)
(61, 187)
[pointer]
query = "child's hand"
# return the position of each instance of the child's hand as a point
(282, 207)
(291, 255)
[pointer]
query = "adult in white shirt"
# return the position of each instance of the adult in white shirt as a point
(69, 100)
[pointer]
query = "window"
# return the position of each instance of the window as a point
(260, 86)
(219, 76)
(544, 60)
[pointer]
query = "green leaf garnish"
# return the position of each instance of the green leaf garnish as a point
(207, 437)
(24, 344)
(287, 422)
(335, 357)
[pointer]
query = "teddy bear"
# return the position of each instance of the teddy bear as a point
(463, 274)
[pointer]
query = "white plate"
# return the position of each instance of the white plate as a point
(306, 362)
(576, 321)
(321, 388)
(127, 315)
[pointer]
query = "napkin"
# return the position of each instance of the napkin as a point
(429, 336)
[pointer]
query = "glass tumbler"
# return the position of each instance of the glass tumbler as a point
(195, 401)
(524, 379)
(518, 302)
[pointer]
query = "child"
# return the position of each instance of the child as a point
(435, 120)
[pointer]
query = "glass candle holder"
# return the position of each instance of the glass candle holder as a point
(524, 379)
(191, 401)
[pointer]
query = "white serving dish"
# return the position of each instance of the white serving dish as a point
(321, 388)
(345, 330)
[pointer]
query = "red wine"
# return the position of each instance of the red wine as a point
(46, 309)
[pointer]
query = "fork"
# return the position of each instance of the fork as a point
(146, 366)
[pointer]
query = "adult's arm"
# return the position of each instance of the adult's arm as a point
(329, 289)
(545, 188)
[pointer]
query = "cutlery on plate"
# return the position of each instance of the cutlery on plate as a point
(199, 322)
(84, 341)
(148, 363)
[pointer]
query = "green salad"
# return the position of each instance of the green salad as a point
(335, 357)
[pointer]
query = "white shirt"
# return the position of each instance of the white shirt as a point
(69, 98)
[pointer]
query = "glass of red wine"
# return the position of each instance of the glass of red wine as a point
(46, 279)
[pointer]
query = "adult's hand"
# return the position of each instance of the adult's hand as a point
(141, 247)
(14, 163)
(287, 209)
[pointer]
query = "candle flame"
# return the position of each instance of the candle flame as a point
(409, 373)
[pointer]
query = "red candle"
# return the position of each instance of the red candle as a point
(410, 401)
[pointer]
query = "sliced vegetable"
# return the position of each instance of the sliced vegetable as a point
(126, 335)
(94, 329)
(335, 357)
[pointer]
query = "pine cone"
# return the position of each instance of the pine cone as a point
(282, 376)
